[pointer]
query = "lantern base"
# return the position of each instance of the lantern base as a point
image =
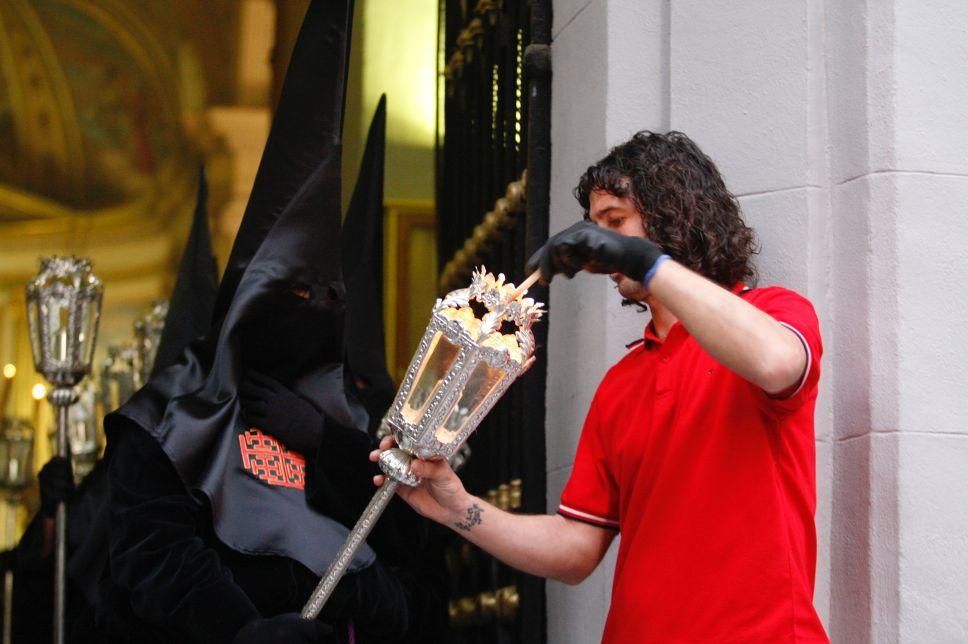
(395, 463)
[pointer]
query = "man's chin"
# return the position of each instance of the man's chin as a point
(632, 290)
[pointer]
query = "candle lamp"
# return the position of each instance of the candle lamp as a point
(477, 343)
(119, 375)
(16, 459)
(63, 310)
(147, 333)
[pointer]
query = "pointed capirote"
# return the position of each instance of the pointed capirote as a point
(307, 126)
(362, 258)
(193, 297)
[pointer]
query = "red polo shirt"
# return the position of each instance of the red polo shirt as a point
(711, 483)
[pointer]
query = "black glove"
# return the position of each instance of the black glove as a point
(56, 479)
(288, 628)
(275, 409)
(377, 602)
(587, 246)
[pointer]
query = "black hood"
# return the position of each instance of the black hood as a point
(193, 298)
(288, 243)
(363, 270)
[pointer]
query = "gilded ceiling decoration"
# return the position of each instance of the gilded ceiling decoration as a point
(92, 113)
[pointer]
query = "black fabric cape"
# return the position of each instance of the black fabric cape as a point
(192, 408)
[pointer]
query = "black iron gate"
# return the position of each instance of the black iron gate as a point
(493, 177)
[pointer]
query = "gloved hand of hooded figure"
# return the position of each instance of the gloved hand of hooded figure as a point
(56, 482)
(277, 410)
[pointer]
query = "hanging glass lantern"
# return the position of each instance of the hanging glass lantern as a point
(147, 333)
(63, 309)
(16, 454)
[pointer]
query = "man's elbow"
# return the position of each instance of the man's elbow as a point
(577, 571)
(781, 369)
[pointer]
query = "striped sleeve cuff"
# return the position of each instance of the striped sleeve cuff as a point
(806, 368)
(585, 517)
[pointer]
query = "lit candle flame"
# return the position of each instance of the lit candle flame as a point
(9, 371)
(38, 392)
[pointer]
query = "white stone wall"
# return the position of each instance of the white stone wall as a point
(842, 126)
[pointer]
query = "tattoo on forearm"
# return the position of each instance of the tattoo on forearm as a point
(472, 519)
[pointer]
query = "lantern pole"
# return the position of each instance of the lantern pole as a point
(337, 568)
(61, 398)
(8, 575)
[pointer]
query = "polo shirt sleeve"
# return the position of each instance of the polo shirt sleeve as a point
(795, 312)
(591, 495)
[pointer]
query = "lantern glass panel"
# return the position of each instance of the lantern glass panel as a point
(482, 382)
(439, 360)
(36, 344)
(58, 313)
(89, 318)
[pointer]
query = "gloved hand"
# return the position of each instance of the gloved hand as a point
(288, 628)
(277, 410)
(56, 479)
(587, 246)
(377, 601)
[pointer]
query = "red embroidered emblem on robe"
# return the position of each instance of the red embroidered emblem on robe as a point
(270, 460)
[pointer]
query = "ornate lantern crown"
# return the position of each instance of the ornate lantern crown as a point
(464, 363)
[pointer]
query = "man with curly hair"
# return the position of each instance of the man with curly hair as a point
(699, 444)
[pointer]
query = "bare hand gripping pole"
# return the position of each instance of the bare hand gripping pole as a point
(462, 367)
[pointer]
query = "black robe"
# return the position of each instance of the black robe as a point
(173, 580)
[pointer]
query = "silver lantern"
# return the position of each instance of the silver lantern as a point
(63, 309)
(16, 455)
(147, 334)
(119, 376)
(463, 365)
(16, 462)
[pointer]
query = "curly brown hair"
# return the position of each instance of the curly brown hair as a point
(684, 204)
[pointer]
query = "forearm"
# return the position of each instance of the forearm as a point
(543, 545)
(734, 332)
